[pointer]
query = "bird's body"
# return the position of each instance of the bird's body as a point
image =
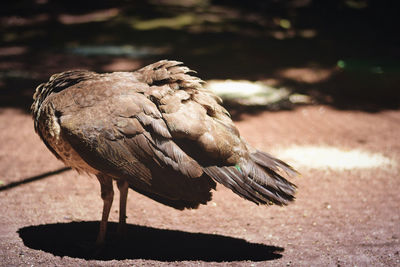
(157, 131)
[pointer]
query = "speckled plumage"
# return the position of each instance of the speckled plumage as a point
(158, 131)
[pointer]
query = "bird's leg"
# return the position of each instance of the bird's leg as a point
(107, 194)
(123, 189)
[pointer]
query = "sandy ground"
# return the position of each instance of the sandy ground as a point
(341, 217)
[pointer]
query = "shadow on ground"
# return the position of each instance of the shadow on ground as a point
(352, 43)
(76, 239)
(33, 178)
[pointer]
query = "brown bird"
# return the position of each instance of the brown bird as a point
(157, 131)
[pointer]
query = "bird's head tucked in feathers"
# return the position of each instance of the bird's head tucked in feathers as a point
(57, 83)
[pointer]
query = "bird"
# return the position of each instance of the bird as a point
(157, 131)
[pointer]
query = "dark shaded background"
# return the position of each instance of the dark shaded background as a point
(342, 53)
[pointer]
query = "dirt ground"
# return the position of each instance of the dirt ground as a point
(348, 217)
(49, 216)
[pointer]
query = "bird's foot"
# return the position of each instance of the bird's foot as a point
(122, 231)
(98, 250)
(90, 249)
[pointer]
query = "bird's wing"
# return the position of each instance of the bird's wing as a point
(194, 115)
(124, 136)
(125, 131)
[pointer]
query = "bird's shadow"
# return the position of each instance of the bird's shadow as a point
(76, 239)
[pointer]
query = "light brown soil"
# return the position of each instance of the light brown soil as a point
(340, 218)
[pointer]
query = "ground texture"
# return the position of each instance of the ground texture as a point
(49, 216)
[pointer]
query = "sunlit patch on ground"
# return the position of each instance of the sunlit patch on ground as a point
(99, 15)
(319, 157)
(248, 93)
(307, 75)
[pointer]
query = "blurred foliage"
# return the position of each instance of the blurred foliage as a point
(343, 53)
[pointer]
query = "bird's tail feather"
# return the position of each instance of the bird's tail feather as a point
(260, 179)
